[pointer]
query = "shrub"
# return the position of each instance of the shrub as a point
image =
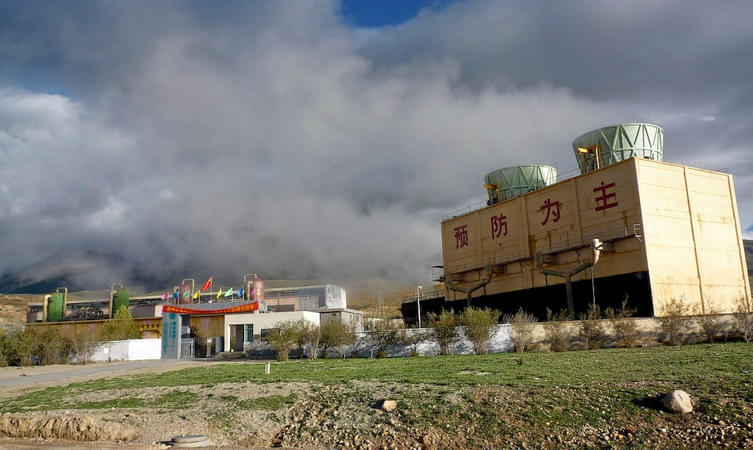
(521, 331)
(121, 326)
(82, 346)
(311, 335)
(413, 337)
(556, 330)
(337, 335)
(34, 345)
(384, 335)
(674, 322)
(444, 330)
(592, 328)
(710, 325)
(624, 327)
(480, 326)
(744, 320)
(283, 338)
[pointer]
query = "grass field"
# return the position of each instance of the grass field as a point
(491, 396)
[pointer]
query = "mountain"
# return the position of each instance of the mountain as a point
(76, 271)
(748, 245)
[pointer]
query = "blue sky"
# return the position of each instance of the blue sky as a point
(326, 139)
(369, 13)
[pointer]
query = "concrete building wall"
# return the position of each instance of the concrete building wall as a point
(693, 238)
(264, 321)
(559, 222)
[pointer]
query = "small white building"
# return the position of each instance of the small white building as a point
(245, 327)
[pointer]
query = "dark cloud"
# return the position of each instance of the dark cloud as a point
(184, 136)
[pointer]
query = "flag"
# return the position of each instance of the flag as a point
(207, 285)
(176, 295)
(164, 297)
(240, 292)
(219, 293)
(186, 294)
(196, 295)
(228, 293)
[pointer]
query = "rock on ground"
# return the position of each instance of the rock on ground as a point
(678, 401)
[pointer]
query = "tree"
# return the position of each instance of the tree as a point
(311, 334)
(121, 326)
(480, 327)
(413, 337)
(444, 330)
(337, 335)
(384, 335)
(284, 338)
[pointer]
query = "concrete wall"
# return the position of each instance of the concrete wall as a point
(693, 238)
(127, 350)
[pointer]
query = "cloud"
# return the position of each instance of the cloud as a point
(280, 141)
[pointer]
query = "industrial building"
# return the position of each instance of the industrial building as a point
(192, 322)
(629, 227)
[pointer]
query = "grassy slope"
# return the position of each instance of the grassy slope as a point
(563, 392)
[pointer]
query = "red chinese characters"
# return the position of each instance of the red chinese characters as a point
(461, 236)
(499, 226)
(605, 200)
(552, 209)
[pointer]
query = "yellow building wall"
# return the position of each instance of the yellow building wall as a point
(693, 239)
(560, 221)
(678, 223)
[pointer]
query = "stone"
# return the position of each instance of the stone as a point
(388, 405)
(678, 401)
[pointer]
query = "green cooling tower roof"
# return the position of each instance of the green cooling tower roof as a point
(609, 145)
(504, 184)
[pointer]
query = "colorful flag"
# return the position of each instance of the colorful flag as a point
(219, 293)
(229, 293)
(240, 292)
(196, 295)
(186, 294)
(164, 297)
(207, 285)
(176, 295)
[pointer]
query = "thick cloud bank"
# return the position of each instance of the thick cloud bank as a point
(275, 139)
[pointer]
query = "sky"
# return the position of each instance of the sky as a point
(322, 139)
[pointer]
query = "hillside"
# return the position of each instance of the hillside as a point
(749, 258)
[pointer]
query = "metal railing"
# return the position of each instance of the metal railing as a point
(425, 296)
(187, 348)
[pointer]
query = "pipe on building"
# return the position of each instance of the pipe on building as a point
(470, 290)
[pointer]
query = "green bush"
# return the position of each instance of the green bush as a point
(121, 326)
(384, 335)
(444, 330)
(283, 338)
(337, 335)
(480, 327)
